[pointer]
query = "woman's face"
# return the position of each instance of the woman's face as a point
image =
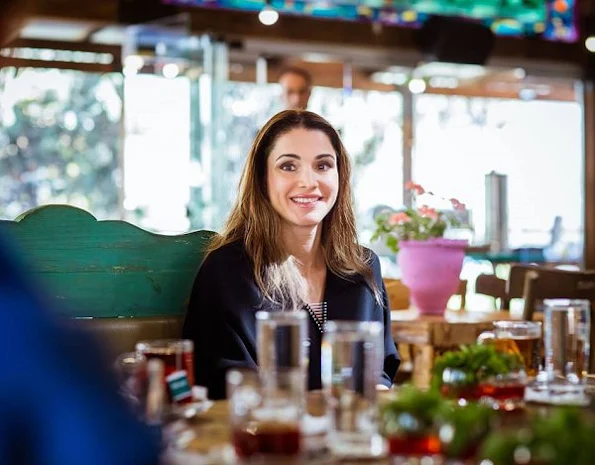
(302, 177)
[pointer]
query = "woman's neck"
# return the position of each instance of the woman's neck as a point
(304, 244)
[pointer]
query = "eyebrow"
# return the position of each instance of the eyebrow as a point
(297, 157)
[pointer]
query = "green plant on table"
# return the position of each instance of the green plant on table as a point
(463, 428)
(413, 412)
(472, 364)
(564, 437)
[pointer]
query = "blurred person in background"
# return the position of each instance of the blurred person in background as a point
(59, 402)
(296, 84)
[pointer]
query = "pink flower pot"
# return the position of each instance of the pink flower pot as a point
(431, 270)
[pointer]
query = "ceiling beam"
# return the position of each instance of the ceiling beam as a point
(324, 31)
(87, 67)
(105, 11)
(63, 45)
(230, 24)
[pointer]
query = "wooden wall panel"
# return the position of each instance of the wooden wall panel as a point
(589, 130)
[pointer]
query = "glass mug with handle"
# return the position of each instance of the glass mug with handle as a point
(523, 338)
(178, 360)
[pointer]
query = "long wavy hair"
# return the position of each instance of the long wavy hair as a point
(254, 221)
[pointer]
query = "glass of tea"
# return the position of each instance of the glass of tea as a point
(522, 338)
(505, 392)
(178, 359)
(265, 410)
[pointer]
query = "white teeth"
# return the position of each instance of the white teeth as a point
(302, 200)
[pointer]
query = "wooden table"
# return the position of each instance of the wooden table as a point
(430, 335)
(213, 439)
(213, 436)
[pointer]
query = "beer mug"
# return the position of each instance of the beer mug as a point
(517, 337)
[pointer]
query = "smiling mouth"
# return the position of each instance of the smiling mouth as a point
(305, 200)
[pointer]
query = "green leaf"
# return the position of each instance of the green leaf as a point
(478, 362)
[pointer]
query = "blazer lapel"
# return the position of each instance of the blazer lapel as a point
(337, 297)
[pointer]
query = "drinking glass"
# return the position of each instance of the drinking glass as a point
(266, 417)
(352, 354)
(517, 337)
(567, 330)
(178, 359)
(131, 372)
(280, 340)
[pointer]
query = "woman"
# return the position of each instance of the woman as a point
(290, 243)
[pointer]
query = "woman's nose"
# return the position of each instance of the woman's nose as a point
(308, 178)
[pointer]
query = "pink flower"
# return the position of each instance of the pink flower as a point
(428, 212)
(457, 205)
(414, 187)
(400, 217)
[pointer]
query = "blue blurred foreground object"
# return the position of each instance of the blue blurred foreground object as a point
(59, 404)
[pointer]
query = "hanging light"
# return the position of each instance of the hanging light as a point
(590, 44)
(268, 15)
(417, 86)
(170, 70)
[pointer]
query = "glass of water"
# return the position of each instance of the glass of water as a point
(352, 354)
(567, 331)
(280, 341)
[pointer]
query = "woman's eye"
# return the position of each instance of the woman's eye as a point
(288, 167)
(325, 166)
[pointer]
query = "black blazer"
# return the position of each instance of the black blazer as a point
(222, 323)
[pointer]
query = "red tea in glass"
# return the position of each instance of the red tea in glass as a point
(467, 392)
(503, 392)
(177, 355)
(265, 412)
(267, 438)
(413, 445)
(507, 391)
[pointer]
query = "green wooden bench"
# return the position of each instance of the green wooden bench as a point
(116, 279)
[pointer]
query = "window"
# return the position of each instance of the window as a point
(536, 144)
(59, 140)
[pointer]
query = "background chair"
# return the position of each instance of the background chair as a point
(493, 286)
(507, 289)
(541, 283)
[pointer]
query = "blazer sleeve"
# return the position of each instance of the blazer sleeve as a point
(392, 360)
(221, 320)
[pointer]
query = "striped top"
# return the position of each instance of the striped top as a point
(318, 312)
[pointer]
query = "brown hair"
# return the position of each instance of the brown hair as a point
(254, 221)
(296, 70)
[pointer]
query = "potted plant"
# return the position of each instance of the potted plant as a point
(480, 371)
(408, 422)
(462, 429)
(430, 264)
(564, 436)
